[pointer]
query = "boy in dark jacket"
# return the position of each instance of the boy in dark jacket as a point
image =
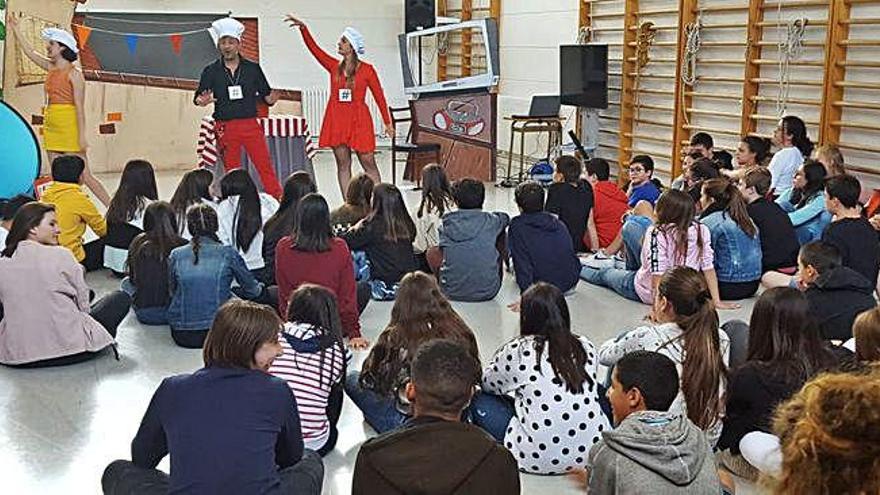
(836, 294)
(571, 199)
(540, 245)
(469, 242)
(435, 453)
(650, 450)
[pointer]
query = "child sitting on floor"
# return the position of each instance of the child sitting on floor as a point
(805, 203)
(849, 231)
(684, 328)
(653, 248)
(436, 452)
(312, 363)
(75, 211)
(779, 244)
(541, 397)
(147, 264)
(281, 224)
(194, 189)
(610, 205)
(571, 199)
(8, 209)
(201, 275)
(470, 239)
(653, 448)
(125, 215)
(641, 185)
(386, 235)
(242, 213)
(436, 201)
(735, 240)
(540, 244)
(836, 293)
(229, 427)
(420, 313)
(358, 198)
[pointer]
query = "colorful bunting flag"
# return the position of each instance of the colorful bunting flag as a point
(82, 34)
(176, 43)
(132, 41)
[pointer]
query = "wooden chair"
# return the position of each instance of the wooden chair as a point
(407, 147)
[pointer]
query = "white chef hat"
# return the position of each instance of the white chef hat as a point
(356, 39)
(226, 26)
(60, 36)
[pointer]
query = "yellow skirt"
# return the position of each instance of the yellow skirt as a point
(60, 130)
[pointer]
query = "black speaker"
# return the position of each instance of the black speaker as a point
(583, 78)
(419, 14)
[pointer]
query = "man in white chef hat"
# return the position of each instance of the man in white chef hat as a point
(234, 84)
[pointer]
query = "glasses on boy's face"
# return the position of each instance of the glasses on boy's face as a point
(636, 170)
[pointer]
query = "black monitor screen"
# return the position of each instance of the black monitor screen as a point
(583, 78)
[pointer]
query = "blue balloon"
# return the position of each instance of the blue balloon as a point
(19, 154)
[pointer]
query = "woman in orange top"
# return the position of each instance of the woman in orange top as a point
(347, 122)
(64, 116)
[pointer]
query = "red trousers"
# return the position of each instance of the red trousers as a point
(232, 135)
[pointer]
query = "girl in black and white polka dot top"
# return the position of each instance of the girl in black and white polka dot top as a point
(540, 395)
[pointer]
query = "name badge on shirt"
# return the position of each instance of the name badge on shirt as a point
(235, 93)
(345, 95)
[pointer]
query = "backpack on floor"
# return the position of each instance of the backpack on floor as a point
(542, 172)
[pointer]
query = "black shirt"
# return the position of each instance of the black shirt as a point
(217, 78)
(572, 204)
(857, 242)
(389, 260)
(779, 244)
(755, 388)
(149, 274)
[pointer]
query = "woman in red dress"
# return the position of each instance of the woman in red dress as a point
(348, 124)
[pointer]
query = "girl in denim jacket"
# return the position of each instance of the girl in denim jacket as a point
(735, 239)
(201, 275)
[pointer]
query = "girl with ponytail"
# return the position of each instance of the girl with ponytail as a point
(551, 375)
(735, 239)
(795, 147)
(200, 279)
(684, 327)
(656, 242)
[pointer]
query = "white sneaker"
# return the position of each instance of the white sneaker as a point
(599, 260)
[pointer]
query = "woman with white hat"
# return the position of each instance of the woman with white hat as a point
(64, 116)
(347, 122)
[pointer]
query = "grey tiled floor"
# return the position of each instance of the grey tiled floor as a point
(60, 427)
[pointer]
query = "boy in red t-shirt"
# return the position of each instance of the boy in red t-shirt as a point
(609, 204)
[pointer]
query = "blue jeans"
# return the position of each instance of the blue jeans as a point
(621, 281)
(492, 413)
(380, 412)
(157, 315)
(152, 316)
(632, 233)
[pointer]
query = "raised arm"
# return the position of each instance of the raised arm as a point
(26, 47)
(325, 59)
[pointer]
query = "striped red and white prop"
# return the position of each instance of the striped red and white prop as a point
(273, 126)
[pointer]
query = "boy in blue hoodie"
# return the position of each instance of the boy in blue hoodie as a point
(540, 244)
